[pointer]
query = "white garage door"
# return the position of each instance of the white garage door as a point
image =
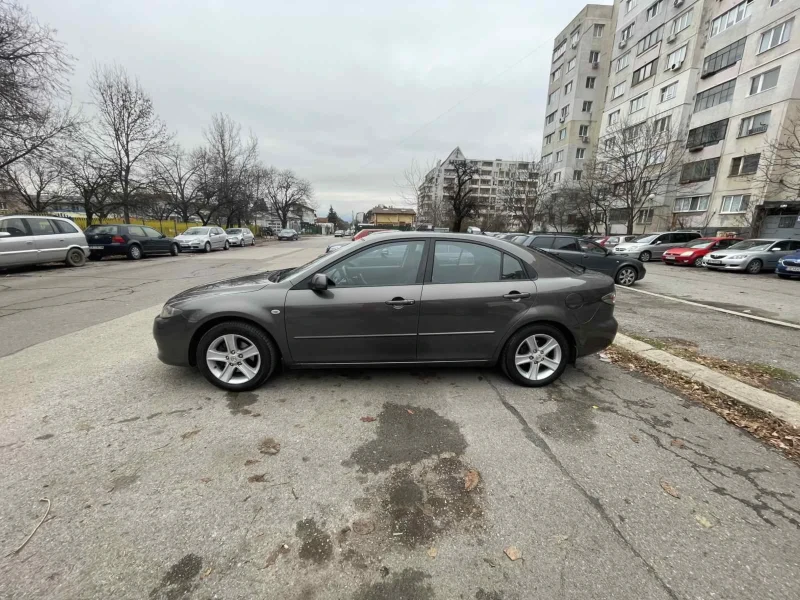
(786, 226)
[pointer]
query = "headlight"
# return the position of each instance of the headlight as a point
(737, 256)
(169, 311)
(780, 261)
(687, 253)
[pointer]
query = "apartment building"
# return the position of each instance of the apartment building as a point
(575, 95)
(487, 186)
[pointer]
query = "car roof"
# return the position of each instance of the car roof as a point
(36, 217)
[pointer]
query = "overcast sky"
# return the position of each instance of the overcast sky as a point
(333, 90)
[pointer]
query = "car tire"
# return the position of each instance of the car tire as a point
(135, 252)
(544, 334)
(95, 257)
(241, 244)
(626, 276)
(645, 256)
(227, 245)
(698, 262)
(782, 276)
(253, 242)
(754, 266)
(174, 250)
(207, 247)
(75, 257)
(243, 335)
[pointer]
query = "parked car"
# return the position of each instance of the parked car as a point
(587, 253)
(35, 240)
(240, 236)
(288, 234)
(365, 232)
(417, 297)
(133, 241)
(751, 255)
(694, 252)
(653, 245)
(612, 241)
(338, 233)
(332, 247)
(203, 238)
(789, 266)
(474, 230)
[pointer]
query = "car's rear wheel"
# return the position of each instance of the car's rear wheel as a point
(754, 266)
(698, 262)
(535, 355)
(236, 356)
(626, 276)
(75, 258)
(135, 252)
(174, 249)
(207, 247)
(645, 256)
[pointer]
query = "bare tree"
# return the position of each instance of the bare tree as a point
(779, 164)
(174, 173)
(91, 180)
(524, 192)
(591, 199)
(39, 180)
(460, 202)
(127, 131)
(640, 160)
(34, 67)
(286, 193)
(205, 203)
(157, 206)
(415, 190)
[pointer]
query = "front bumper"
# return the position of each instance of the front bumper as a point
(677, 259)
(173, 338)
(188, 247)
(726, 264)
(784, 270)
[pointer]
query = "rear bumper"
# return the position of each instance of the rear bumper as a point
(173, 338)
(596, 335)
(108, 250)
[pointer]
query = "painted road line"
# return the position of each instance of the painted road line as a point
(716, 308)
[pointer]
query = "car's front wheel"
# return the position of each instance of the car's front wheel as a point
(645, 256)
(535, 355)
(207, 247)
(626, 276)
(227, 245)
(754, 266)
(236, 356)
(174, 249)
(698, 262)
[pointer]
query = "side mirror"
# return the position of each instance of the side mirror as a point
(775, 249)
(4, 234)
(319, 282)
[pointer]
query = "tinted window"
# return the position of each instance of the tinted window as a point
(782, 245)
(663, 239)
(512, 268)
(151, 233)
(463, 262)
(794, 245)
(136, 231)
(541, 242)
(591, 247)
(725, 243)
(396, 263)
(41, 226)
(66, 227)
(565, 243)
(677, 238)
(16, 227)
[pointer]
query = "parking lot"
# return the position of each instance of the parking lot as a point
(351, 484)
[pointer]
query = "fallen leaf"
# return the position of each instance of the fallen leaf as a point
(635, 439)
(190, 434)
(595, 407)
(363, 527)
(251, 461)
(409, 411)
(558, 539)
(207, 572)
(670, 490)
(490, 562)
(472, 480)
(703, 521)
(513, 553)
(368, 419)
(205, 479)
(677, 443)
(432, 552)
(257, 478)
(269, 446)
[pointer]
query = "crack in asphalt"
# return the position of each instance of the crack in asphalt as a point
(593, 501)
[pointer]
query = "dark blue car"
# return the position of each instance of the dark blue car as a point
(789, 266)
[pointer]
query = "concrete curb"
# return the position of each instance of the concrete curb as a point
(775, 405)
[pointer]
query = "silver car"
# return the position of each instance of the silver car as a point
(751, 256)
(36, 240)
(653, 245)
(240, 236)
(204, 239)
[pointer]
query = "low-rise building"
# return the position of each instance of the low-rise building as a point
(391, 217)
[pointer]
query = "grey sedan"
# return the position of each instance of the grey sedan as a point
(751, 255)
(395, 299)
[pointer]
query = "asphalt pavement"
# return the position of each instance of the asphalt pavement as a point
(351, 484)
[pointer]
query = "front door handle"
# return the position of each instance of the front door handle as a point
(516, 296)
(399, 302)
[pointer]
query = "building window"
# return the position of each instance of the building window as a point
(571, 64)
(565, 111)
(580, 153)
(568, 88)
(555, 74)
(557, 176)
(623, 61)
(608, 143)
(559, 156)
(576, 175)
(707, 134)
(590, 82)
(775, 36)
(594, 56)
(550, 97)
(598, 30)
(754, 124)
(715, 95)
(645, 216)
(633, 132)
(744, 165)
(562, 135)
(583, 130)
(701, 170)
(644, 72)
(657, 156)
(735, 204)
(638, 103)
(682, 22)
(550, 118)
(662, 125)
(650, 40)
(731, 18)
(630, 5)
(692, 204)
(547, 159)
(548, 138)
(559, 51)
(576, 35)
(764, 81)
(627, 33)
(675, 59)
(587, 106)
(618, 90)
(669, 92)
(724, 58)
(613, 118)
(653, 10)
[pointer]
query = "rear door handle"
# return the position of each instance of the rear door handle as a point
(516, 295)
(399, 302)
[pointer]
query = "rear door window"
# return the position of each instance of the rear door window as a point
(151, 233)
(795, 245)
(566, 243)
(136, 231)
(41, 226)
(512, 268)
(15, 227)
(65, 227)
(464, 262)
(542, 242)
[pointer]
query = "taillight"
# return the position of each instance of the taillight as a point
(610, 298)
(117, 239)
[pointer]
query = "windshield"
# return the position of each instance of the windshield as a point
(644, 239)
(287, 230)
(196, 231)
(701, 243)
(752, 245)
(233, 231)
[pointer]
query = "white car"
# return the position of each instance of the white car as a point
(240, 236)
(203, 239)
(338, 233)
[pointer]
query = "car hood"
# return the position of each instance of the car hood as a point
(729, 252)
(681, 250)
(793, 256)
(237, 285)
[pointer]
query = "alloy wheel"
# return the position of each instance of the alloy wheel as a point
(626, 276)
(645, 256)
(234, 359)
(538, 356)
(754, 266)
(698, 262)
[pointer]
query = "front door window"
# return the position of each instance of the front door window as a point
(395, 263)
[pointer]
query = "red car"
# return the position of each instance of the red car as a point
(693, 252)
(366, 232)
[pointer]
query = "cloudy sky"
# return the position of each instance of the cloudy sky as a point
(342, 92)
